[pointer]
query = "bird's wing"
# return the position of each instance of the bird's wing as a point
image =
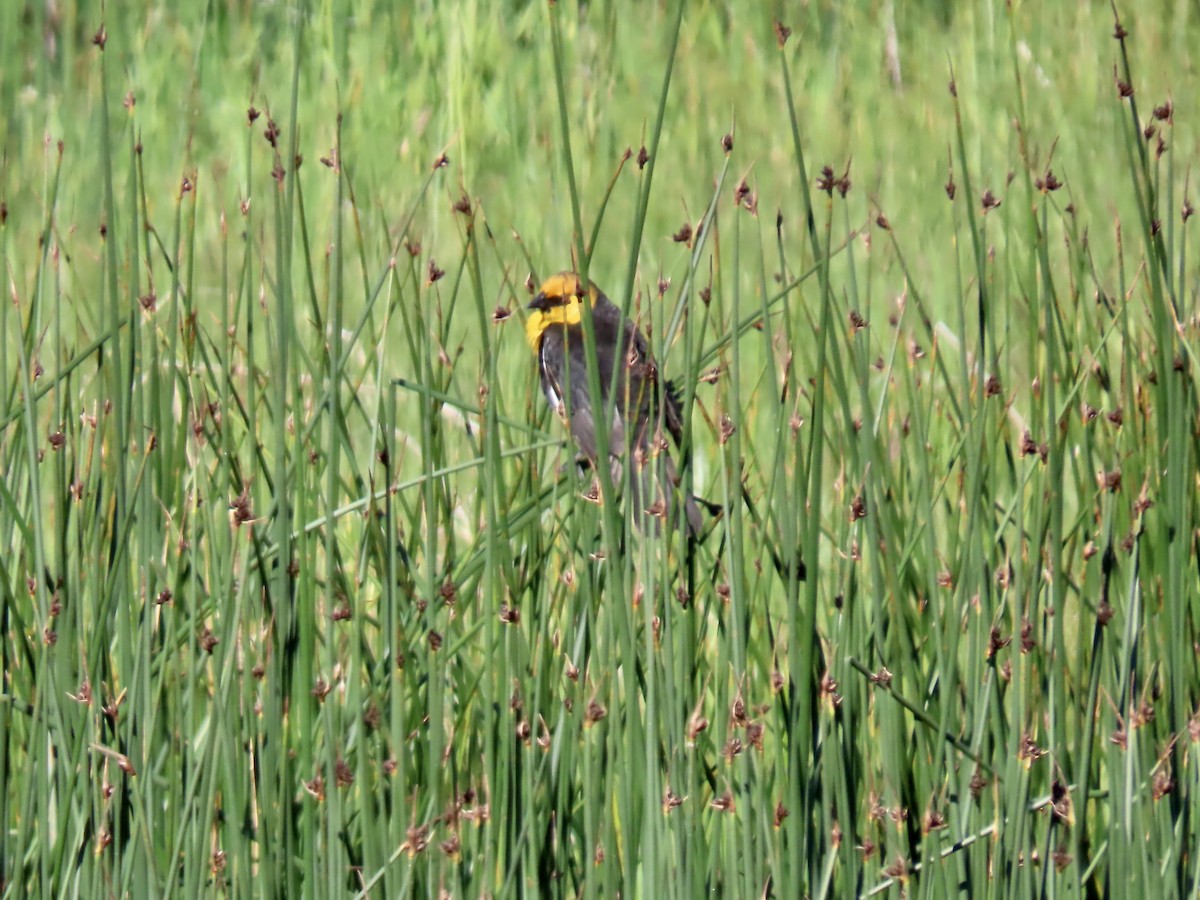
(579, 402)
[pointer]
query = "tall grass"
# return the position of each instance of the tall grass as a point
(304, 594)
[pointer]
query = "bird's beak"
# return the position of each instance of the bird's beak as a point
(539, 302)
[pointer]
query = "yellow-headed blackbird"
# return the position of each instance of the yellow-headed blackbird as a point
(644, 403)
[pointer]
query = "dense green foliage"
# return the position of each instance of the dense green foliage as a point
(301, 594)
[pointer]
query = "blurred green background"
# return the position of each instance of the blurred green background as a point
(299, 594)
(476, 81)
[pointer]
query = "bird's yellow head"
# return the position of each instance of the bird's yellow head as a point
(559, 302)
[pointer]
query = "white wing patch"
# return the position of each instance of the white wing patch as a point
(548, 383)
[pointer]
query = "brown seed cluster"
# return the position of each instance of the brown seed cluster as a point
(782, 33)
(1048, 182)
(827, 182)
(241, 507)
(858, 508)
(727, 428)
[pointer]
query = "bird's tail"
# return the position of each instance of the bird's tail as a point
(658, 490)
(655, 489)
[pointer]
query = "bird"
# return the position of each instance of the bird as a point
(645, 403)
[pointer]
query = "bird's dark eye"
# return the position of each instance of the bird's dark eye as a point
(546, 301)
